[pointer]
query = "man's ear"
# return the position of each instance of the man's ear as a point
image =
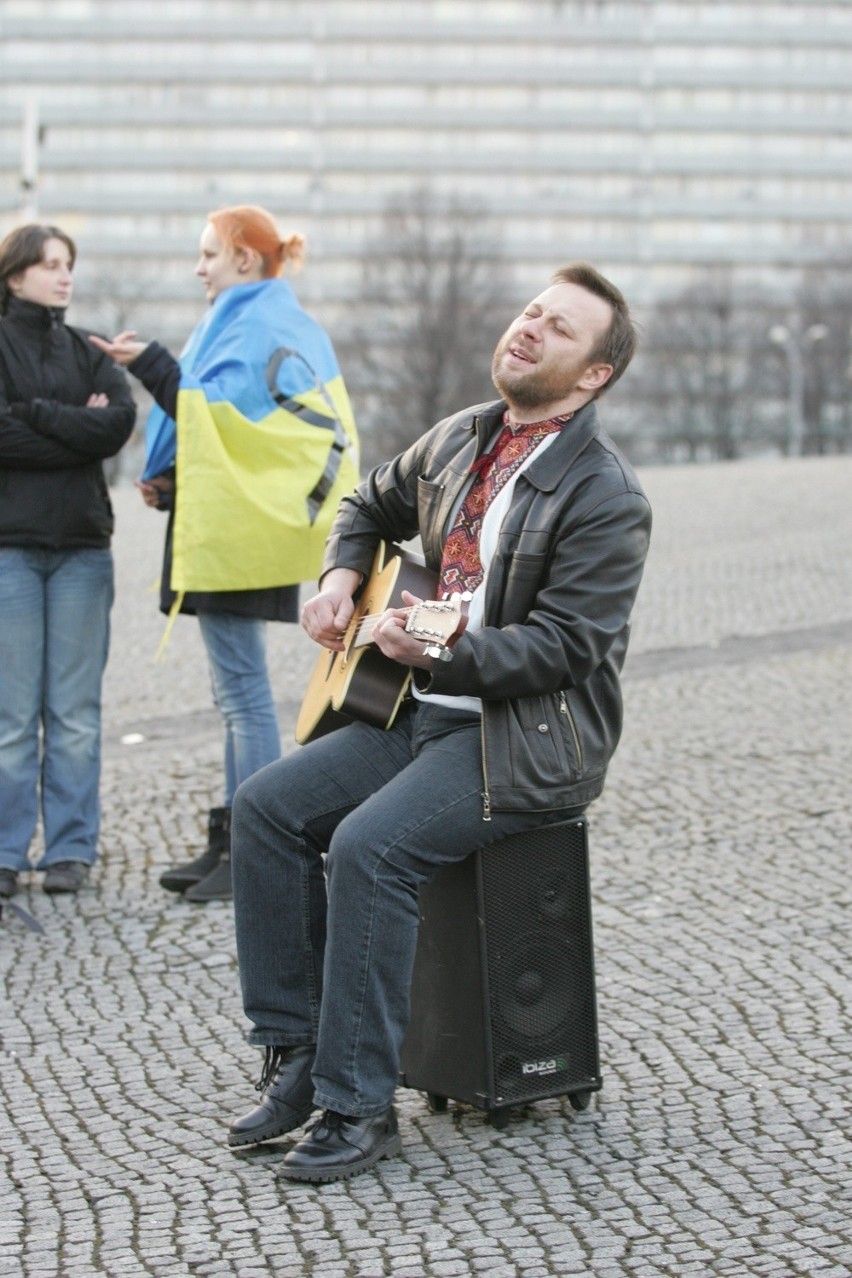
(595, 376)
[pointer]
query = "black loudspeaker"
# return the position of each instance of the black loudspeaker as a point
(503, 1007)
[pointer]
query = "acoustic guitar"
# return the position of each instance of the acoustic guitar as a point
(361, 682)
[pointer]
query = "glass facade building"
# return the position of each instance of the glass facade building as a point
(656, 139)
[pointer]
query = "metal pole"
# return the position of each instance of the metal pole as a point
(29, 160)
(796, 436)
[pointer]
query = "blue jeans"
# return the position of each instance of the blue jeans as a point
(54, 638)
(330, 847)
(236, 655)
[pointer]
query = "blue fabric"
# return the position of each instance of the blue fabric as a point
(228, 352)
(54, 638)
(236, 655)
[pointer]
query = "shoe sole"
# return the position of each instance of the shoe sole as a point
(235, 1139)
(325, 1175)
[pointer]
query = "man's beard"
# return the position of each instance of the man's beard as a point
(532, 388)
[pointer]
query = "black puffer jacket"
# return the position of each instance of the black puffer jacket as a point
(53, 494)
(560, 590)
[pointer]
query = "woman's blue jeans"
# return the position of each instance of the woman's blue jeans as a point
(330, 847)
(236, 656)
(54, 638)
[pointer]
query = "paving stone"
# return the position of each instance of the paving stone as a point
(719, 1144)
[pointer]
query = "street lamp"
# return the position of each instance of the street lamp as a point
(794, 343)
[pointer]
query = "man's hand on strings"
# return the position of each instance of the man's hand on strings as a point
(326, 616)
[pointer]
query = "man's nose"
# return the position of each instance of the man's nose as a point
(531, 328)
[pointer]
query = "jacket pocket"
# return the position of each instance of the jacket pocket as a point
(429, 499)
(524, 576)
(592, 711)
(570, 723)
(552, 747)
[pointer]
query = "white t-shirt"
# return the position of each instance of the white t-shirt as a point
(491, 524)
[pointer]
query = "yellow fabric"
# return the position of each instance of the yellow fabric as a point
(241, 518)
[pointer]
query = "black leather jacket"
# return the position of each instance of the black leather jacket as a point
(560, 590)
(53, 494)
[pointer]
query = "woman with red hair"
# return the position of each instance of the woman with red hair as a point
(250, 445)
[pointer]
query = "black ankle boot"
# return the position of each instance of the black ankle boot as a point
(215, 886)
(337, 1147)
(287, 1097)
(181, 877)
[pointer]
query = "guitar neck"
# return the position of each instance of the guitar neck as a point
(364, 627)
(443, 619)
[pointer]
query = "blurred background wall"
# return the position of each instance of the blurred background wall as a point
(443, 157)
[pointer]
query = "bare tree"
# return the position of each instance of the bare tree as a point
(698, 371)
(434, 301)
(825, 323)
(108, 303)
(726, 370)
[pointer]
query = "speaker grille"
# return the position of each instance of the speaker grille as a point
(533, 992)
(503, 997)
(538, 947)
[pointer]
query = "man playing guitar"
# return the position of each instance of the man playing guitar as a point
(528, 507)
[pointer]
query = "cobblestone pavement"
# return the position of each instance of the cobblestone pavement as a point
(720, 1143)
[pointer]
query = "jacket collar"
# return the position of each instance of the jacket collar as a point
(548, 470)
(35, 316)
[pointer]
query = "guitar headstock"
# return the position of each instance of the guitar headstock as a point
(436, 621)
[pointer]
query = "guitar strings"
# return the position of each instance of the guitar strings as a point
(368, 623)
(364, 626)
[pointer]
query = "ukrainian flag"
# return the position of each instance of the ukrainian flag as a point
(264, 445)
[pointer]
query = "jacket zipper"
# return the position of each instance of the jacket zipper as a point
(486, 797)
(563, 709)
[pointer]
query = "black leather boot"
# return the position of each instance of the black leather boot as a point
(287, 1098)
(216, 886)
(182, 877)
(8, 882)
(337, 1147)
